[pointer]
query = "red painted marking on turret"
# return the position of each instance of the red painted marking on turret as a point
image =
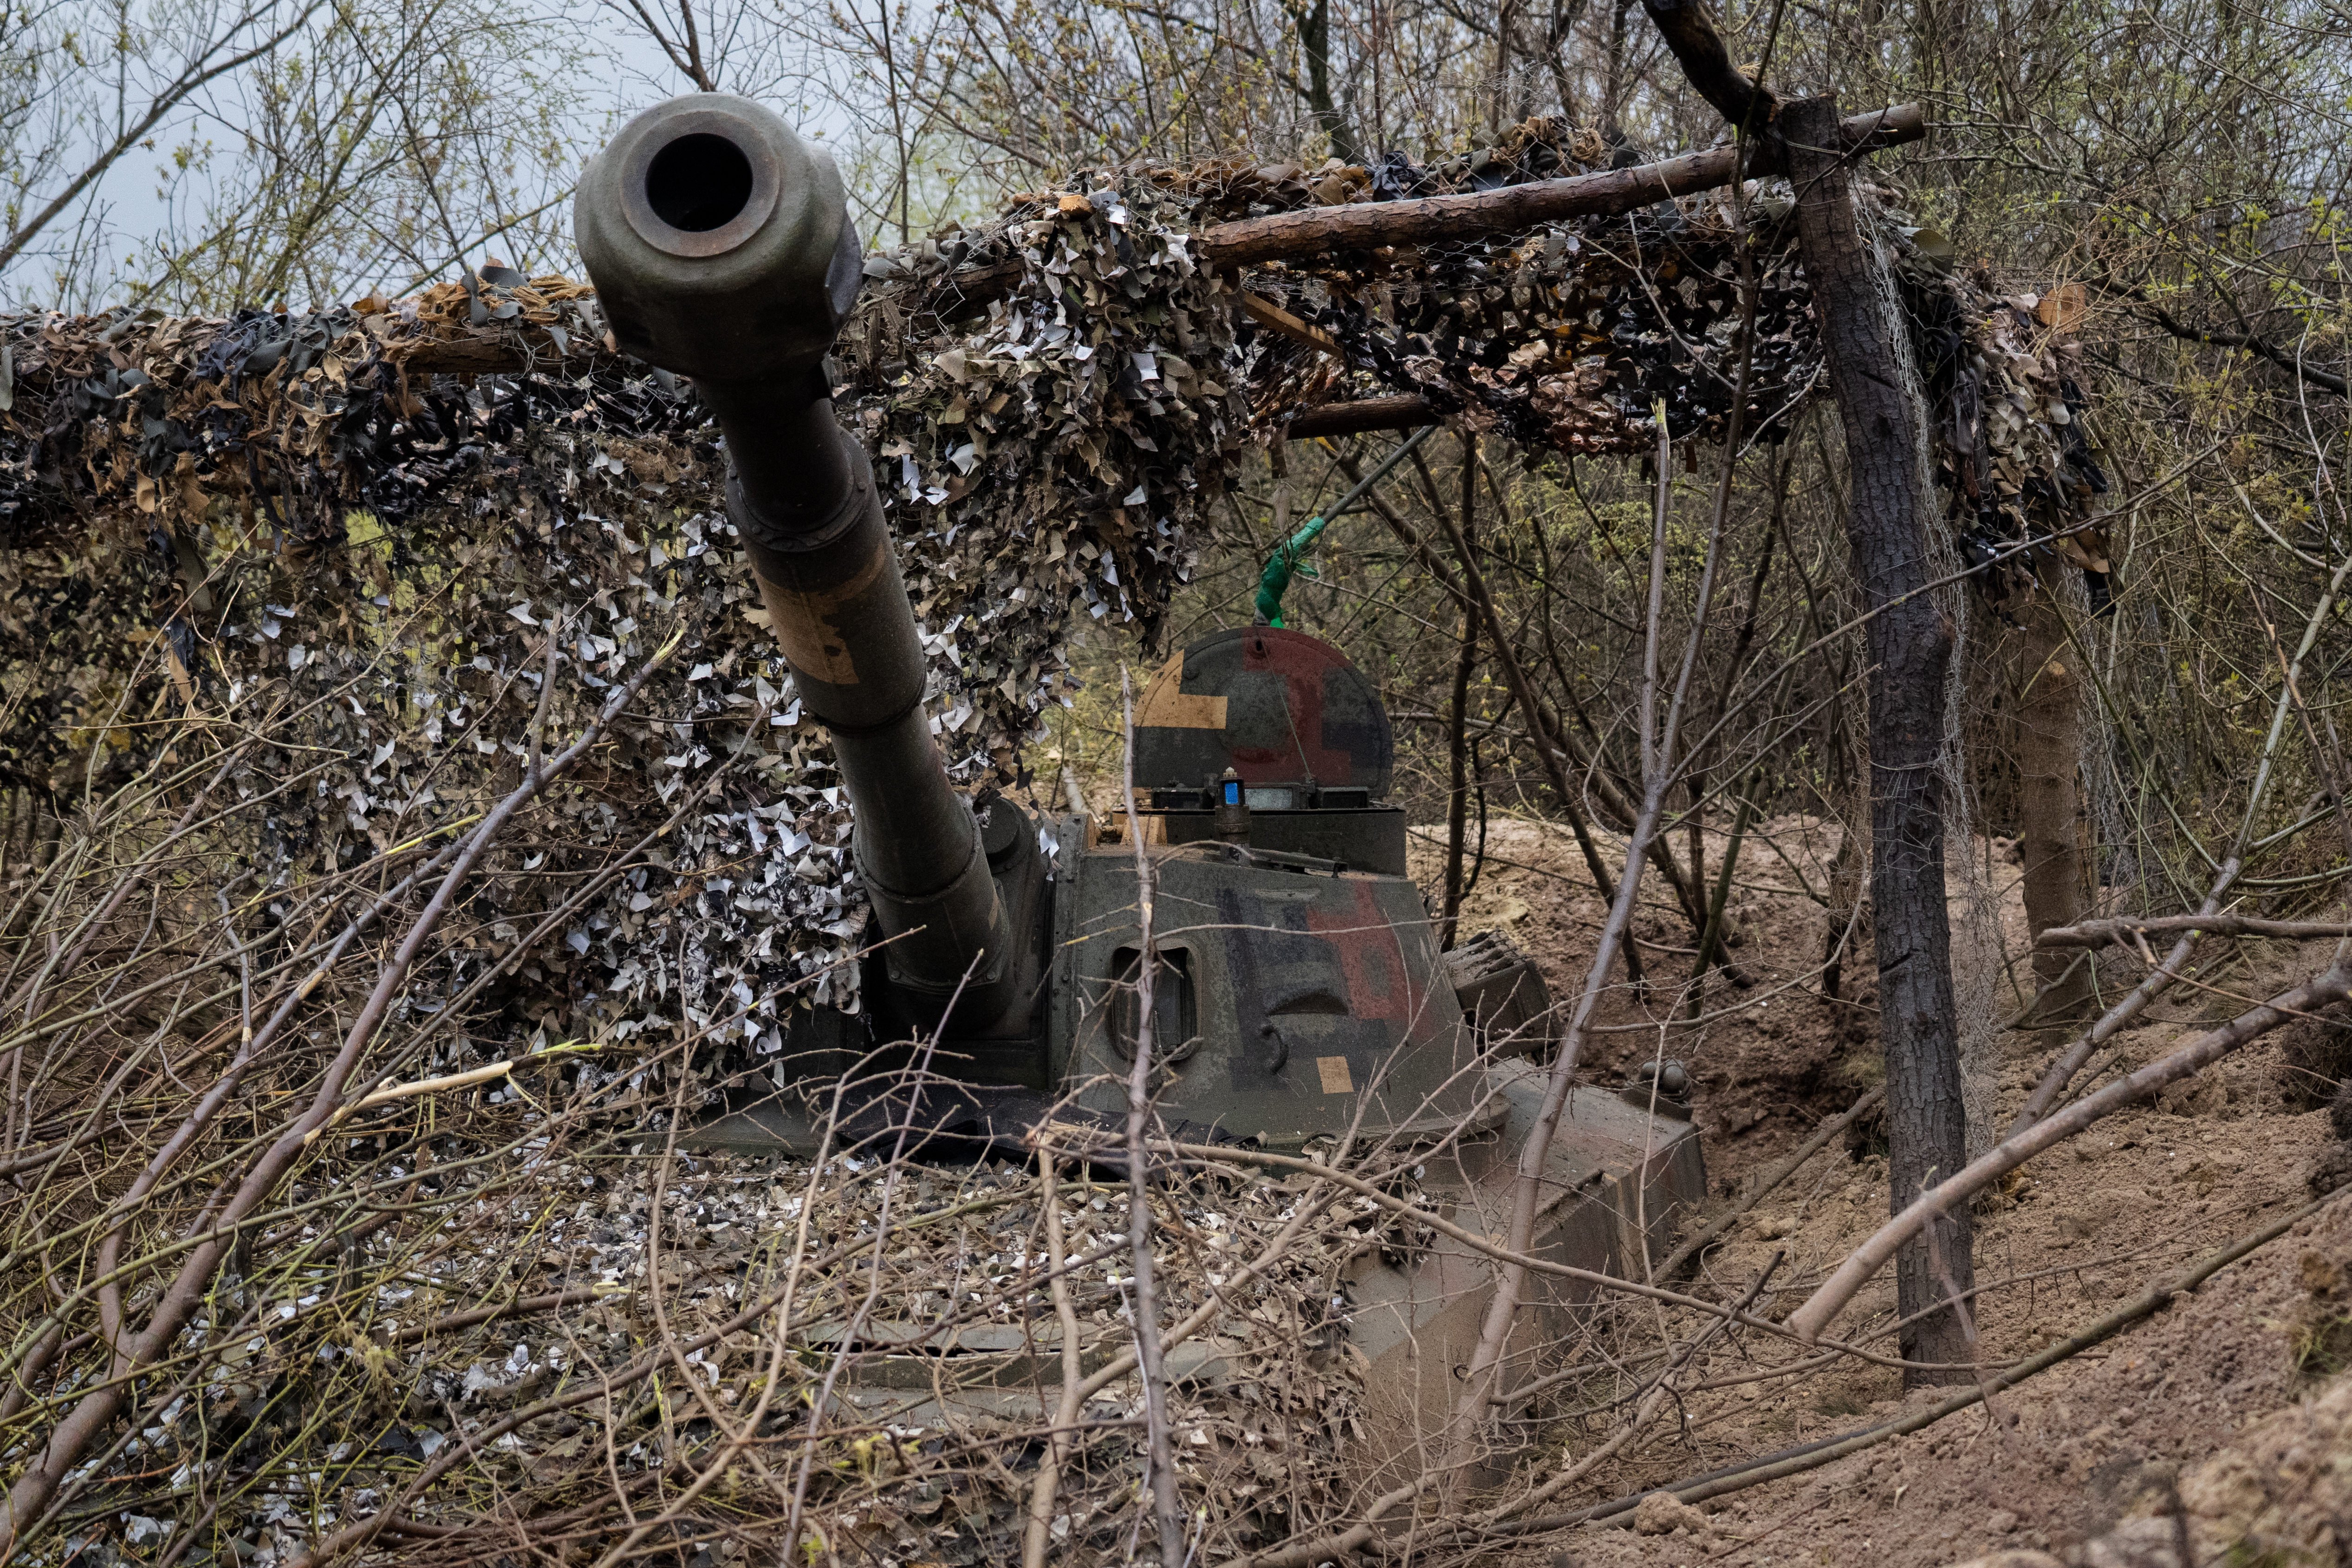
(1358, 930)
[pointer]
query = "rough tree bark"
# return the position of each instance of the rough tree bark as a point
(1910, 641)
(2049, 807)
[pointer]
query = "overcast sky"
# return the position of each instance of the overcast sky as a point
(134, 200)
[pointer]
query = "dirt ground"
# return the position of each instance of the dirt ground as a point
(2063, 1457)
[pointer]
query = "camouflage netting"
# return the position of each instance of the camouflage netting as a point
(314, 524)
(1569, 338)
(356, 529)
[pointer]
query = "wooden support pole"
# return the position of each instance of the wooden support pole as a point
(1366, 226)
(1402, 413)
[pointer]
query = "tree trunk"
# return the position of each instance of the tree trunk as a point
(1910, 641)
(1315, 42)
(2052, 837)
(1465, 664)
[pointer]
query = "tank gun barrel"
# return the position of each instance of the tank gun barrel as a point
(721, 249)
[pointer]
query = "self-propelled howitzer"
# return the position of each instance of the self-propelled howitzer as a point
(1299, 993)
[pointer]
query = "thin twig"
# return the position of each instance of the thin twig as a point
(2123, 929)
(1167, 1511)
(1038, 1537)
(1482, 1376)
(2070, 1062)
(38, 1483)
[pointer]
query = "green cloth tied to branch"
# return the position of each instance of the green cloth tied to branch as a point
(1281, 566)
(1285, 563)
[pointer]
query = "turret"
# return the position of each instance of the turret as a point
(721, 249)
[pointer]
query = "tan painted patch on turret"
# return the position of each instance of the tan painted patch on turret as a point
(1166, 706)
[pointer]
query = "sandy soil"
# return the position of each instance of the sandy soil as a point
(2063, 1457)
